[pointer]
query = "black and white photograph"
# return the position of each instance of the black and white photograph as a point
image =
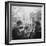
(24, 22)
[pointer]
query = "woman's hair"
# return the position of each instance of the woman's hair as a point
(19, 22)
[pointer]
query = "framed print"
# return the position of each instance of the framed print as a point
(24, 22)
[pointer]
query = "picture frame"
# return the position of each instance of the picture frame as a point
(15, 11)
